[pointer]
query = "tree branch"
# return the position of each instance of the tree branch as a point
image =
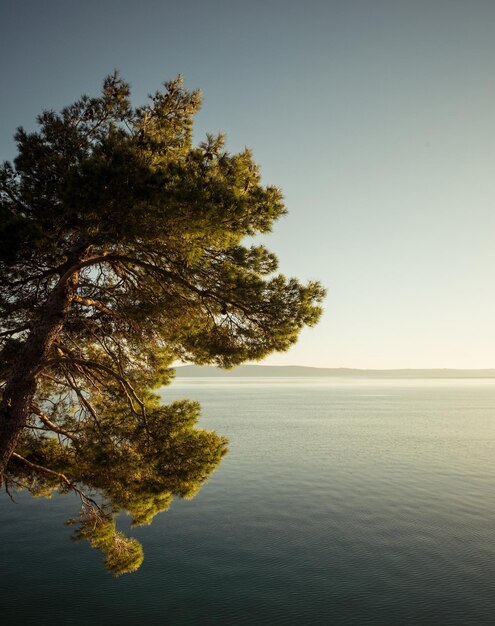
(94, 303)
(85, 499)
(51, 425)
(14, 331)
(125, 384)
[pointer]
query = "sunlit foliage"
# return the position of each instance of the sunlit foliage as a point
(121, 251)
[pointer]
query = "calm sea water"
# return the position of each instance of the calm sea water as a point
(341, 502)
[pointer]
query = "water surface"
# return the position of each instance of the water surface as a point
(343, 502)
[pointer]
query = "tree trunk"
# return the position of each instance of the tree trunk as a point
(20, 388)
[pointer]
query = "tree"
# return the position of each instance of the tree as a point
(121, 252)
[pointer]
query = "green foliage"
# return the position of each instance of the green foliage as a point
(122, 555)
(144, 231)
(132, 467)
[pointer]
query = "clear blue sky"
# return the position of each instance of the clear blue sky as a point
(375, 117)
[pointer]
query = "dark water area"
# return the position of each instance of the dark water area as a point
(341, 502)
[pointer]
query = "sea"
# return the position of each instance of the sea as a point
(341, 502)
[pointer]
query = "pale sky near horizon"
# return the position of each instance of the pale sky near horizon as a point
(375, 117)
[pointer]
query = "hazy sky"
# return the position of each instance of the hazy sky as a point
(376, 118)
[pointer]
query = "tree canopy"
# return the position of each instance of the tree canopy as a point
(122, 251)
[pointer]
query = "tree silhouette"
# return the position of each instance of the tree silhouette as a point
(121, 252)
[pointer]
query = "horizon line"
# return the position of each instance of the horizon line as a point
(326, 367)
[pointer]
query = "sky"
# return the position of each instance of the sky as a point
(376, 118)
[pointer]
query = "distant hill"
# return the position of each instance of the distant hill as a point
(274, 371)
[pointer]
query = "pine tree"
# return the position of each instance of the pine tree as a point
(121, 252)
